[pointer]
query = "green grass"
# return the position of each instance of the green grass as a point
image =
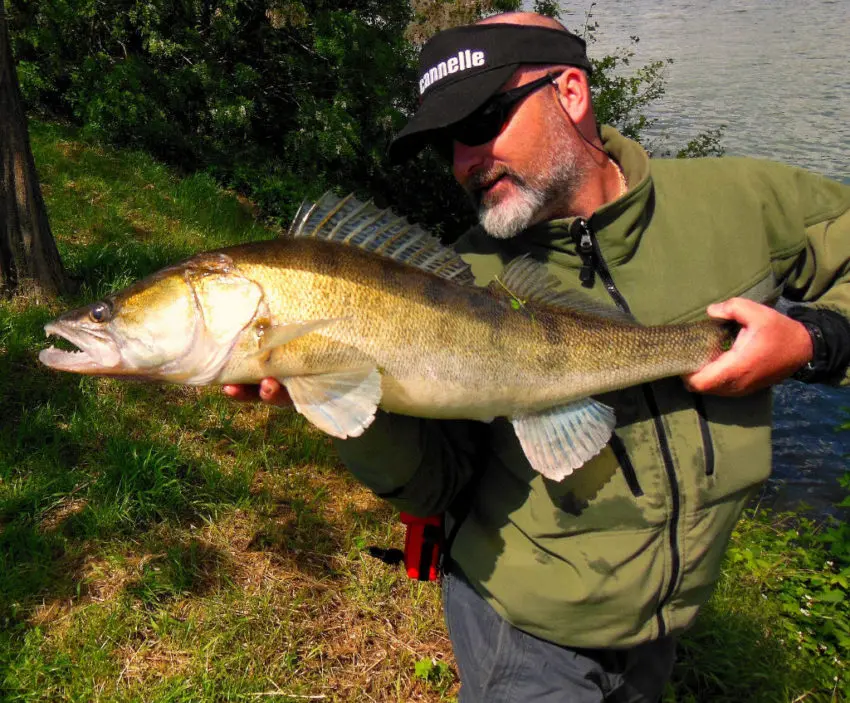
(777, 626)
(159, 543)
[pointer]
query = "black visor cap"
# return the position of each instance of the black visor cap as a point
(461, 68)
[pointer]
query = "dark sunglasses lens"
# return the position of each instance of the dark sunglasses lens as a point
(480, 127)
(484, 124)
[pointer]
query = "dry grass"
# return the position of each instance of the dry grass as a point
(328, 622)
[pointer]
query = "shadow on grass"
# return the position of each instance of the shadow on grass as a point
(120, 216)
(78, 467)
(92, 477)
(180, 568)
(303, 538)
(106, 270)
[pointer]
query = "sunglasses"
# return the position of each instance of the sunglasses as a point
(487, 121)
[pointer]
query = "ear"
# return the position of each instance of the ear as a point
(574, 94)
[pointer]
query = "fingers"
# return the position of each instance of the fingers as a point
(272, 392)
(721, 377)
(269, 391)
(241, 393)
(740, 310)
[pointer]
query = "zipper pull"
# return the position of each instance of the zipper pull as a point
(584, 245)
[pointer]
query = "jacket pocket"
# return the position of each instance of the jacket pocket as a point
(626, 465)
(705, 433)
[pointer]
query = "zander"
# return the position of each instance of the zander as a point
(355, 309)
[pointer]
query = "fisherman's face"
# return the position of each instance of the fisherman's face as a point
(521, 176)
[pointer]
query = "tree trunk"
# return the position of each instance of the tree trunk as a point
(29, 260)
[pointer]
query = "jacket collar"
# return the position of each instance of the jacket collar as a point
(618, 225)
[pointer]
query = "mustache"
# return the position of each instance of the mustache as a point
(482, 179)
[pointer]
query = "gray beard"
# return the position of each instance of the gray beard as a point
(507, 219)
(557, 176)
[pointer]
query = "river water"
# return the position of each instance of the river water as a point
(775, 74)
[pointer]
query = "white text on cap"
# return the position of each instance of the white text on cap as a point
(465, 59)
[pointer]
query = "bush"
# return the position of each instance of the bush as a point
(279, 99)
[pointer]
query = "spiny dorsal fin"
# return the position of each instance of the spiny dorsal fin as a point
(354, 223)
(525, 280)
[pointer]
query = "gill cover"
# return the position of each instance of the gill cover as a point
(225, 303)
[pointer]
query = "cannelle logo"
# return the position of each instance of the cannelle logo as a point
(462, 61)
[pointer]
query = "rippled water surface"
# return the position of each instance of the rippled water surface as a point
(808, 453)
(776, 73)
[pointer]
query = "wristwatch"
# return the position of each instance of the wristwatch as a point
(815, 369)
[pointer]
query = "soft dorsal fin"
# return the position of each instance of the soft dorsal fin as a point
(354, 223)
(525, 280)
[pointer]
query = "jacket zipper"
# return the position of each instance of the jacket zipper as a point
(593, 262)
(673, 535)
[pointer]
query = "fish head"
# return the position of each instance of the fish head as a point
(135, 332)
(178, 325)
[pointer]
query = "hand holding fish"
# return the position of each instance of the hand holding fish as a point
(269, 390)
(768, 349)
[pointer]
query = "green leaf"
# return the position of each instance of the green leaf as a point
(831, 597)
(423, 668)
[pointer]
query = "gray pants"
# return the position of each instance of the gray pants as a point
(500, 664)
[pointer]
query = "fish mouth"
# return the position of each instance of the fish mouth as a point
(96, 352)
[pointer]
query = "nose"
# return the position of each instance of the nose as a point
(467, 160)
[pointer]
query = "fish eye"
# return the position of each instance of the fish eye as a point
(99, 312)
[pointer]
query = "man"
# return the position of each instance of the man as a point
(575, 590)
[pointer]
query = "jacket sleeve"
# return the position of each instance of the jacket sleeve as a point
(418, 465)
(819, 272)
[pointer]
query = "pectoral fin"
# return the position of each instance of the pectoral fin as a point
(271, 336)
(343, 404)
(559, 440)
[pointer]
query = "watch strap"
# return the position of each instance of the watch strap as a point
(810, 371)
(830, 335)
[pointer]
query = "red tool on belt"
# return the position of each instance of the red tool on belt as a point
(423, 544)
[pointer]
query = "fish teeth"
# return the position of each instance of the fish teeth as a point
(66, 352)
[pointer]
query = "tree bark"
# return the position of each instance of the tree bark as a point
(29, 260)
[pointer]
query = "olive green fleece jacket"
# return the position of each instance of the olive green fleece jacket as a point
(628, 547)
